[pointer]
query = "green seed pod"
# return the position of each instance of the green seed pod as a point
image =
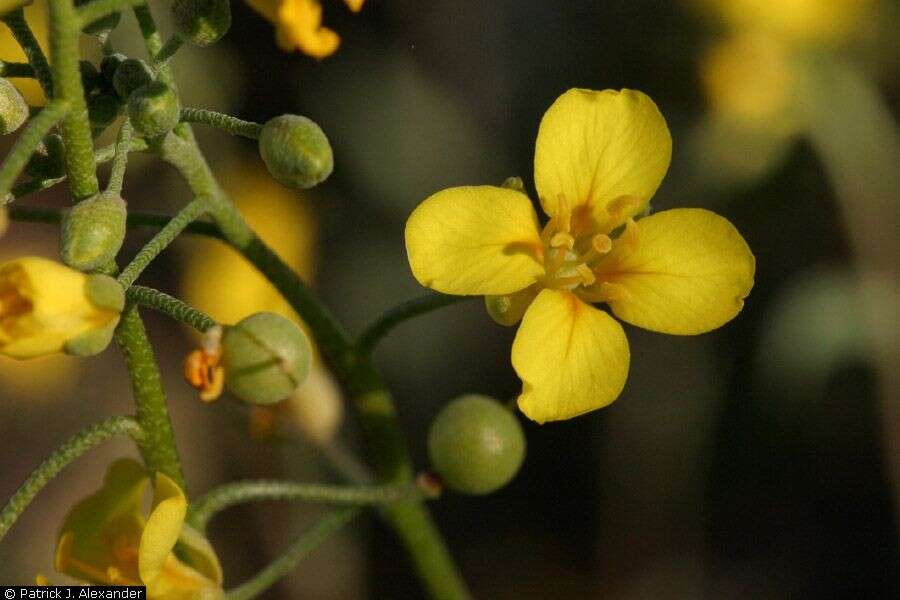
(110, 64)
(13, 109)
(49, 159)
(476, 445)
(102, 111)
(266, 357)
(202, 22)
(93, 232)
(102, 25)
(295, 151)
(154, 109)
(131, 74)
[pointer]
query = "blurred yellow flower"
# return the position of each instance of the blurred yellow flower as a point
(599, 158)
(796, 21)
(106, 539)
(36, 15)
(298, 25)
(45, 305)
(749, 77)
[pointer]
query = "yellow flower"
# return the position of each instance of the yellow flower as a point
(599, 158)
(798, 21)
(750, 77)
(36, 15)
(46, 307)
(299, 25)
(106, 539)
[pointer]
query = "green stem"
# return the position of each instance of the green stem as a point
(65, 30)
(102, 155)
(227, 123)
(157, 445)
(168, 50)
(193, 210)
(14, 69)
(23, 35)
(299, 549)
(120, 158)
(77, 445)
(42, 214)
(375, 332)
(242, 492)
(19, 156)
(97, 9)
(170, 306)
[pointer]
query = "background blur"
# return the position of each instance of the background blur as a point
(758, 461)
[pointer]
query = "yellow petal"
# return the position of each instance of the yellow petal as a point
(162, 530)
(572, 358)
(354, 5)
(44, 304)
(595, 147)
(474, 241)
(103, 530)
(687, 271)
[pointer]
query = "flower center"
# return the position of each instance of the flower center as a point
(575, 244)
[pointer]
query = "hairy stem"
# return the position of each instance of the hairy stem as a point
(20, 154)
(227, 123)
(16, 69)
(170, 306)
(120, 158)
(65, 29)
(242, 492)
(77, 445)
(157, 445)
(284, 564)
(194, 209)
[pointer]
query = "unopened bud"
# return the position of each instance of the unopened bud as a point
(514, 183)
(296, 151)
(103, 108)
(202, 22)
(130, 75)
(109, 64)
(154, 109)
(93, 231)
(266, 357)
(13, 109)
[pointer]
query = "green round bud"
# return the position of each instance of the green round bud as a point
(154, 109)
(93, 231)
(202, 22)
(296, 151)
(109, 64)
(476, 445)
(266, 357)
(102, 25)
(131, 74)
(102, 111)
(49, 159)
(13, 109)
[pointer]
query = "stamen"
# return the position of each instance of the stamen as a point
(587, 276)
(215, 384)
(601, 243)
(630, 236)
(13, 304)
(564, 212)
(562, 239)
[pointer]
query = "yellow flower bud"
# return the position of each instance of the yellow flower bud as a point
(46, 307)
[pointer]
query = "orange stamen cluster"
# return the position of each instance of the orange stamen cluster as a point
(202, 369)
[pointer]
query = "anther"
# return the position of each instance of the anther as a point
(602, 243)
(613, 292)
(587, 276)
(562, 239)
